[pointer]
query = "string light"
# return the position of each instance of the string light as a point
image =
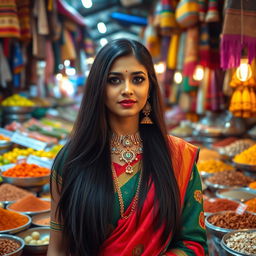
(159, 68)
(244, 71)
(177, 77)
(199, 73)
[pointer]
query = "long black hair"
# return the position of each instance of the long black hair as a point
(87, 193)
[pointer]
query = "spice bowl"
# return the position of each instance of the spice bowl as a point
(28, 181)
(38, 220)
(14, 239)
(215, 230)
(18, 229)
(31, 213)
(228, 250)
(35, 249)
(214, 187)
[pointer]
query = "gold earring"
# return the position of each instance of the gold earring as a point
(146, 111)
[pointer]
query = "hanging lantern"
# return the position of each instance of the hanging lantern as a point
(177, 77)
(198, 73)
(244, 71)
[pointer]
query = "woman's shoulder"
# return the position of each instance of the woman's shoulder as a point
(178, 144)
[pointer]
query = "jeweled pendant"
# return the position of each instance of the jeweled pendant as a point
(129, 169)
(128, 156)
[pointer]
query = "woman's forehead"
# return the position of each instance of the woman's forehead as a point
(124, 63)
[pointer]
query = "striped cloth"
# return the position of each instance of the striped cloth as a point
(9, 23)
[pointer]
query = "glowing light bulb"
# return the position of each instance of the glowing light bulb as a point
(244, 71)
(177, 77)
(159, 68)
(199, 73)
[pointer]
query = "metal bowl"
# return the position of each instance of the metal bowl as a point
(228, 250)
(35, 249)
(27, 182)
(40, 217)
(205, 175)
(17, 109)
(18, 229)
(215, 187)
(215, 230)
(244, 167)
(16, 239)
(237, 194)
(30, 213)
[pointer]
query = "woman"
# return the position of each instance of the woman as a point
(121, 186)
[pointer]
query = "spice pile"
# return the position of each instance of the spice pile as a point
(10, 220)
(228, 178)
(30, 203)
(247, 157)
(212, 166)
(25, 170)
(219, 204)
(252, 185)
(232, 220)
(10, 192)
(251, 205)
(236, 147)
(243, 242)
(208, 154)
(224, 142)
(7, 246)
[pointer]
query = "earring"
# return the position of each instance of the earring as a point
(146, 111)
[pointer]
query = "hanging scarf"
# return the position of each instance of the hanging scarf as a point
(238, 32)
(167, 16)
(17, 64)
(24, 14)
(191, 51)
(172, 52)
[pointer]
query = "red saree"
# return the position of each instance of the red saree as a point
(128, 239)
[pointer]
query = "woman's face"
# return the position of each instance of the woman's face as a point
(127, 88)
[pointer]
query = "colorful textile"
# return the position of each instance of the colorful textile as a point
(238, 32)
(17, 64)
(9, 23)
(24, 8)
(181, 51)
(187, 13)
(172, 52)
(191, 51)
(5, 72)
(191, 241)
(130, 239)
(167, 16)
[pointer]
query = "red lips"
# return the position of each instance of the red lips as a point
(127, 103)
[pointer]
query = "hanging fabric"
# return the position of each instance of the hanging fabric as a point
(181, 51)
(5, 72)
(17, 64)
(9, 23)
(172, 52)
(212, 14)
(238, 32)
(167, 16)
(191, 51)
(187, 13)
(42, 24)
(68, 51)
(24, 15)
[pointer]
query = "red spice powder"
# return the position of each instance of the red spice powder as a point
(30, 203)
(219, 204)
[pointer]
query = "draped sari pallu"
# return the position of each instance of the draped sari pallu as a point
(129, 239)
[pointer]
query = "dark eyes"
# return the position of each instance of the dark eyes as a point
(116, 80)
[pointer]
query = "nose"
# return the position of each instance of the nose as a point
(127, 89)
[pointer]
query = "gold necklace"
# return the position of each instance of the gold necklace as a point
(120, 197)
(127, 147)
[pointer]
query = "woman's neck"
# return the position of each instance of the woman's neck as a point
(125, 126)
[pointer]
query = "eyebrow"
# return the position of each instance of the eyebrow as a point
(120, 74)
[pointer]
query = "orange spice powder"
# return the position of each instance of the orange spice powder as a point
(10, 220)
(30, 203)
